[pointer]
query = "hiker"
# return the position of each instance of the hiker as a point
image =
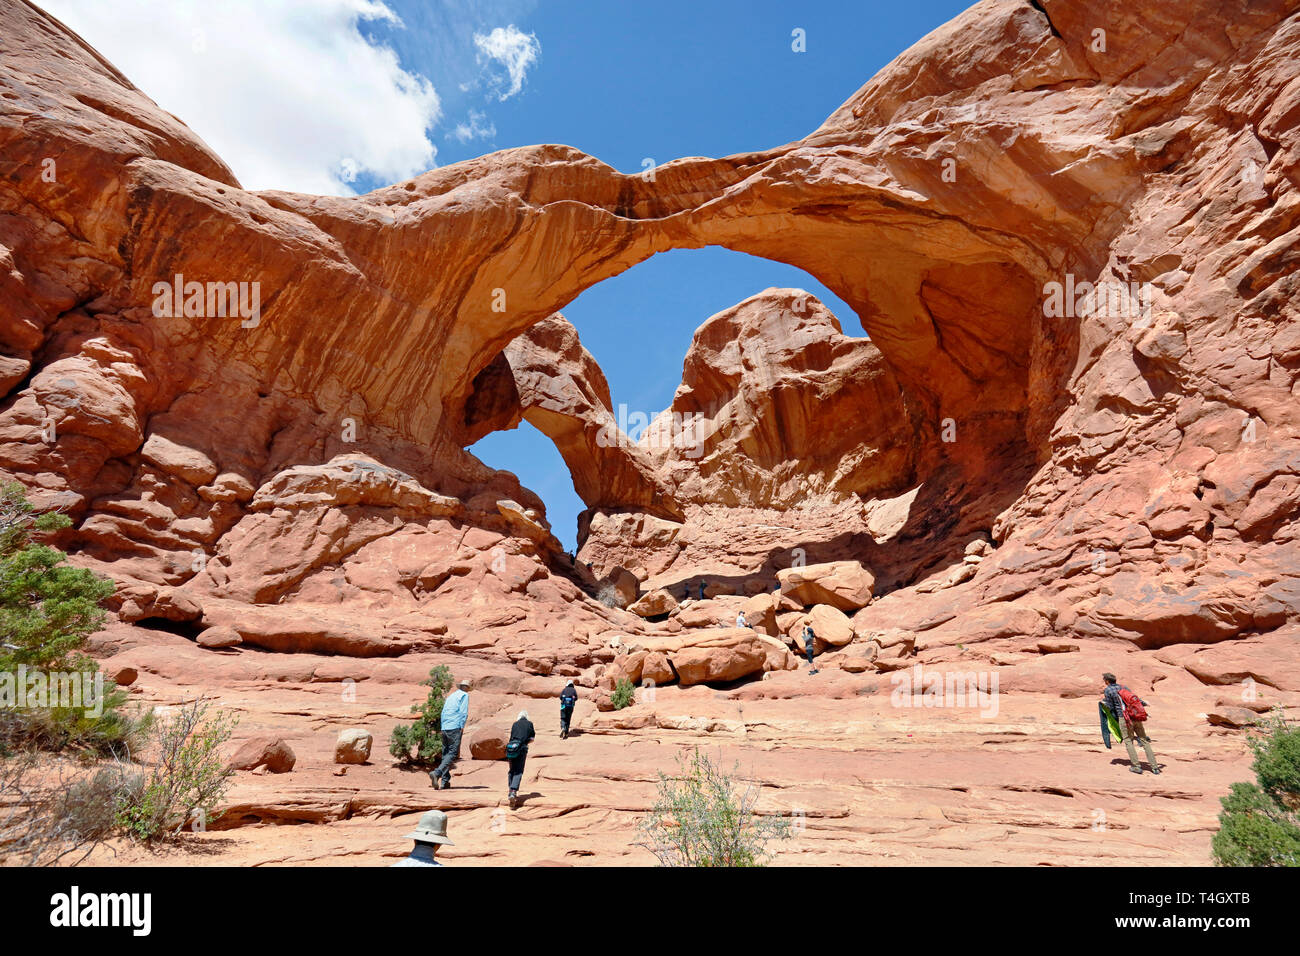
(521, 735)
(429, 834)
(740, 619)
(809, 642)
(568, 701)
(701, 590)
(1130, 715)
(455, 712)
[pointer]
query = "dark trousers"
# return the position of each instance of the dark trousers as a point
(516, 773)
(450, 751)
(808, 647)
(566, 715)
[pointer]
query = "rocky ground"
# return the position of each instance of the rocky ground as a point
(862, 780)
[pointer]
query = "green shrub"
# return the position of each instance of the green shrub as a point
(47, 610)
(420, 744)
(624, 694)
(1260, 822)
(188, 777)
(704, 818)
(114, 731)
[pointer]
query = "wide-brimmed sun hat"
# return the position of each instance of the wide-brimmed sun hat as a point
(432, 828)
(463, 682)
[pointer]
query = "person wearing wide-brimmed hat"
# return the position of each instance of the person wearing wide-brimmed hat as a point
(429, 834)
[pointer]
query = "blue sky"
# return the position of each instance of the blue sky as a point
(342, 96)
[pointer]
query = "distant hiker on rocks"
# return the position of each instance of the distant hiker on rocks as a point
(701, 590)
(568, 701)
(1130, 716)
(455, 712)
(430, 834)
(809, 642)
(740, 619)
(521, 735)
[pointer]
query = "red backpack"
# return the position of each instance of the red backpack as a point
(1133, 709)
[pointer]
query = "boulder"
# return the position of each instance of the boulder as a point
(845, 585)
(621, 584)
(720, 662)
(487, 739)
(271, 753)
(353, 746)
(830, 624)
(859, 657)
(760, 612)
(654, 604)
(656, 668)
(215, 638)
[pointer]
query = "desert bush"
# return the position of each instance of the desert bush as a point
(609, 596)
(1260, 822)
(115, 731)
(47, 608)
(624, 694)
(706, 817)
(188, 776)
(47, 611)
(420, 744)
(50, 814)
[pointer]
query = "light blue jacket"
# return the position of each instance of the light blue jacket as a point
(455, 711)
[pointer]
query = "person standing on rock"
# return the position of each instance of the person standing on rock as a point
(430, 834)
(740, 619)
(455, 713)
(1130, 713)
(521, 735)
(809, 645)
(568, 701)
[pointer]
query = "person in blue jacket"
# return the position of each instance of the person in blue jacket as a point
(455, 714)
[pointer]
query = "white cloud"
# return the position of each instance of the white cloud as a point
(478, 127)
(289, 93)
(513, 49)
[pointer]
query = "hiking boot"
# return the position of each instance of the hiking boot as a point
(437, 784)
(514, 800)
(1134, 769)
(1156, 769)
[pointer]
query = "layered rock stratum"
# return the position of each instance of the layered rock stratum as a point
(1009, 476)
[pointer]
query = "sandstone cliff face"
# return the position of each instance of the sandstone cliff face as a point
(1035, 481)
(1000, 155)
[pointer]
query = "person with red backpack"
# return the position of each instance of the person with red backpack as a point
(1130, 713)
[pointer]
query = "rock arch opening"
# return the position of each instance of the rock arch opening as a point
(918, 433)
(656, 359)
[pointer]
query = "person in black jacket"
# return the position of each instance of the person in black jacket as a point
(521, 735)
(568, 701)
